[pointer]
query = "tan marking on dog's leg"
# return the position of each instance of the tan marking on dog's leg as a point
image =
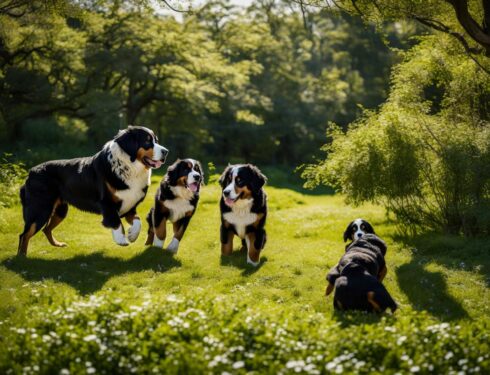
(24, 240)
(252, 253)
(53, 222)
(382, 274)
(161, 231)
(329, 289)
(370, 297)
(227, 248)
(150, 236)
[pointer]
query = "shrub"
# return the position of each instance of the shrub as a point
(12, 176)
(425, 154)
(199, 335)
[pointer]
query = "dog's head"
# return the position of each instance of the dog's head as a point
(356, 229)
(356, 289)
(141, 144)
(186, 173)
(241, 182)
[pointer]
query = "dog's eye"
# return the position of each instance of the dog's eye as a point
(239, 181)
(148, 139)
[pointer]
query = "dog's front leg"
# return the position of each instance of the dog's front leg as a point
(134, 230)
(226, 239)
(179, 230)
(111, 219)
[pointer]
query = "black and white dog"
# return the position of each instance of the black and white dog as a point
(112, 183)
(176, 200)
(243, 208)
(357, 278)
(356, 229)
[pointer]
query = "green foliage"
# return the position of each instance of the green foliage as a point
(262, 78)
(425, 155)
(12, 175)
(194, 335)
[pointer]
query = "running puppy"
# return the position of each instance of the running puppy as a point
(243, 208)
(111, 183)
(357, 278)
(176, 200)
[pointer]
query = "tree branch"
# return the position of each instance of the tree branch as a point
(470, 25)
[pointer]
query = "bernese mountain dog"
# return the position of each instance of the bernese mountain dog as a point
(357, 278)
(176, 200)
(243, 208)
(356, 229)
(111, 183)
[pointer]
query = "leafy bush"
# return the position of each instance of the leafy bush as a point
(12, 176)
(426, 153)
(196, 335)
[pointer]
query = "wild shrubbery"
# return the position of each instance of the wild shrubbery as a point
(426, 153)
(198, 335)
(11, 177)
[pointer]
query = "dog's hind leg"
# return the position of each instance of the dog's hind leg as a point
(59, 213)
(31, 227)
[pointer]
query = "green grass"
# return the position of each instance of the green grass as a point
(447, 277)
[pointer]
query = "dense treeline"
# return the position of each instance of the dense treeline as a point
(224, 84)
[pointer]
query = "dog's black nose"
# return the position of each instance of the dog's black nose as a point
(197, 177)
(359, 234)
(164, 153)
(226, 193)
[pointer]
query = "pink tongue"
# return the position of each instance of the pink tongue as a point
(229, 201)
(193, 187)
(156, 164)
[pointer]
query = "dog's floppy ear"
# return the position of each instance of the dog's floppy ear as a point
(258, 178)
(127, 140)
(198, 166)
(369, 227)
(348, 232)
(223, 176)
(172, 175)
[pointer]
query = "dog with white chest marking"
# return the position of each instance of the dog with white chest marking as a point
(243, 208)
(111, 183)
(176, 200)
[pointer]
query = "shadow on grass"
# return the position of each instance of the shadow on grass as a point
(353, 318)
(428, 290)
(88, 273)
(238, 259)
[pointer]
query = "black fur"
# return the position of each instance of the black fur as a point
(159, 212)
(81, 182)
(358, 273)
(253, 178)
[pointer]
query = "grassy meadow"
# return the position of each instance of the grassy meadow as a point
(435, 279)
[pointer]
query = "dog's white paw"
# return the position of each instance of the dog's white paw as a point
(134, 230)
(173, 246)
(119, 237)
(157, 242)
(250, 261)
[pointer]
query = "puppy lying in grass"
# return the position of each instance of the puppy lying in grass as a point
(357, 278)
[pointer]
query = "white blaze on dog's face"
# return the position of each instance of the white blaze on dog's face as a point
(186, 174)
(230, 193)
(241, 183)
(356, 229)
(141, 144)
